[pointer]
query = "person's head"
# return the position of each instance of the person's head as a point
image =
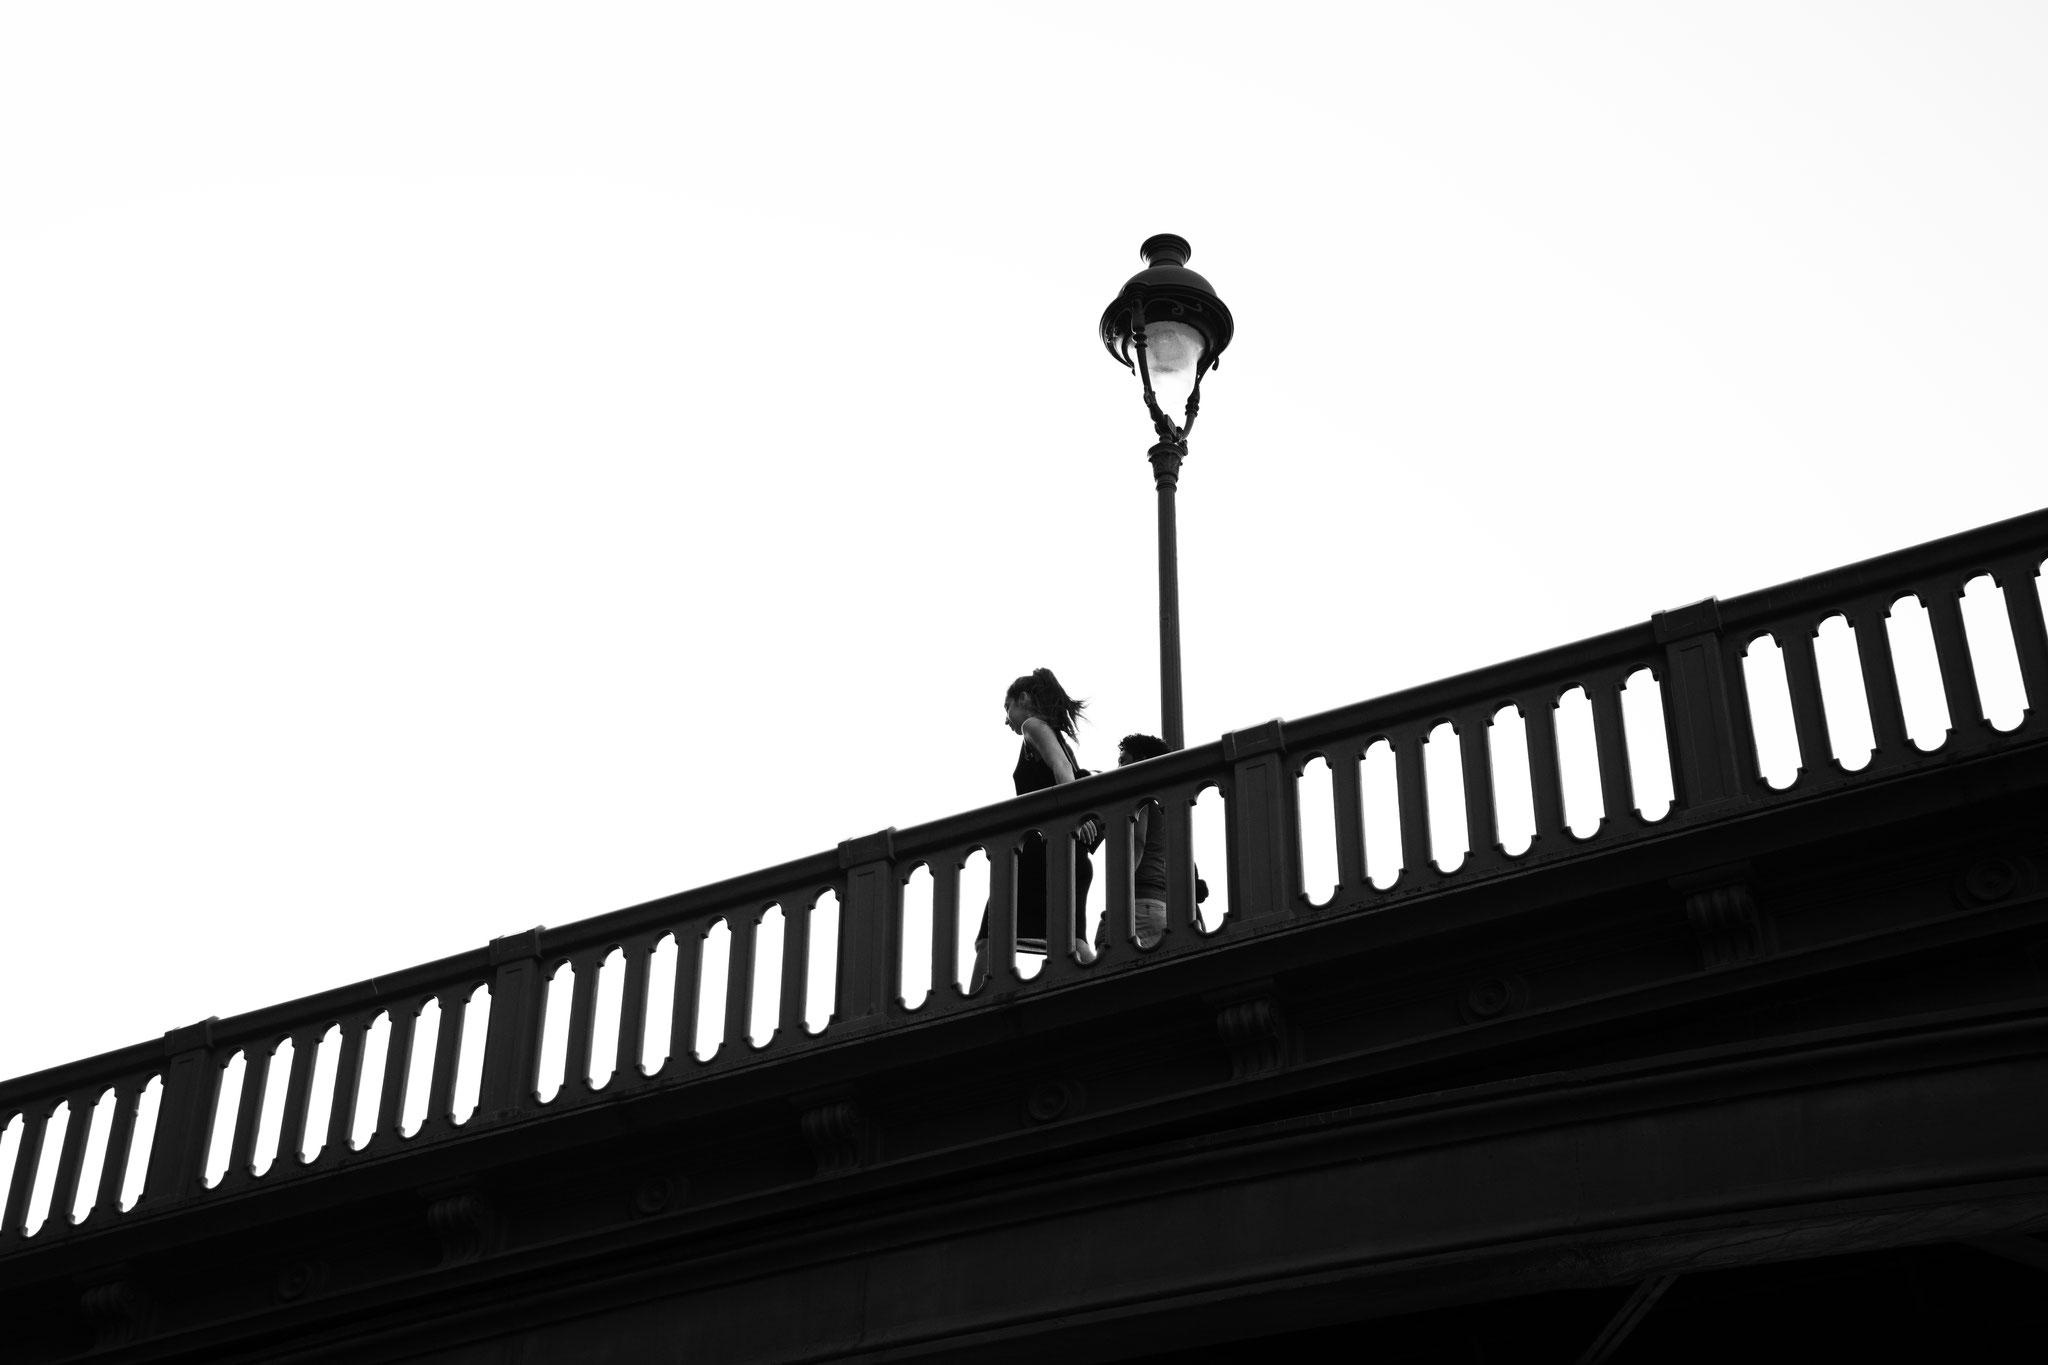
(1137, 748)
(1038, 693)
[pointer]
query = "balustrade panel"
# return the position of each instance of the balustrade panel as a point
(398, 1063)
(1514, 801)
(1315, 797)
(998, 958)
(1450, 839)
(1385, 834)
(1411, 776)
(348, 1085)
(451, 1028)
(298, 1096)
(915, 975)
(1120, 853)
(248, 1114)
(1917, 672)
(607, 1016)
(39, 1177)
(632, 1041)
(582, 1023)
(1546, 781)
(714, 989)
(27, 1127)
(764, 978)
(2019, 578)
(1988, 633)
(822, 941)
(1852, 738)
(1809, 708)
(1869, 617)
(946, 935)
(1348, 809)
(71, 1161)
(1062, 903)
(113, 1179)
(739, 983)
(1208, 828)
(1965, 704)
(798, 915)
(687, 1003)
(657, 1043)
(1482, 816)
(1611, 756)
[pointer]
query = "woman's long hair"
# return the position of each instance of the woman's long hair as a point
(1049, 699)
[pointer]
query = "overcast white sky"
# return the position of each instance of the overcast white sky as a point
(470, 466)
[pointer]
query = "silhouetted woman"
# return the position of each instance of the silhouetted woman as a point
(1039, 709)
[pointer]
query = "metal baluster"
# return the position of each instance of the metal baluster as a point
(1061, 868)
(1610, 744)
(1967, 728)
(397, 1066)
(120, 1143)
(440, 1116)
(1880, 681)
(582, 1009)
(348, 1084)
(1546, 780)
(1349, 808)
(1482, 818)
(256, 1070)
(1118, 870)
(1746, 760)
(27, 1157)
(633, 1014)
(2016, 577)
(1001, 953)
(70, 1162)
(796, 968)
(1809, 705)
(945, 928)
(1412, 797)
(298, 1094)
(739, 982)
(682, 1026)
(1177, 809)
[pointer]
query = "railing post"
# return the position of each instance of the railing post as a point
(1704, 752)
(177, 1153)
(1265, 857)
(867, 928)
(512, 1044)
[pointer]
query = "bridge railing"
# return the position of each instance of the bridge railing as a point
(509, 1033)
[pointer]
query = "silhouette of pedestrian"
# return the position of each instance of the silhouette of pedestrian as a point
(1039, 709)
(1148, 875)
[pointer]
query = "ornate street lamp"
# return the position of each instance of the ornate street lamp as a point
(1169, 327)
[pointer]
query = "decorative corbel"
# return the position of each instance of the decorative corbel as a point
(1254, 1028)
(1728, 925)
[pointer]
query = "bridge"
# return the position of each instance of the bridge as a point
(1539, 1077)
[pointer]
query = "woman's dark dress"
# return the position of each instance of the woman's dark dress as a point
(1032, 775)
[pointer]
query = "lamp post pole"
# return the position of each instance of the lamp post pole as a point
(1169, 327)
(1166, 458)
